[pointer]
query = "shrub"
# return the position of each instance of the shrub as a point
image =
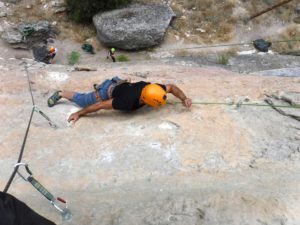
(74, 57)
(84, 10)
(122, 58)
(224, 59)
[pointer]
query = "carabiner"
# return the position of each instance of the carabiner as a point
(27, 169)
(65, 212)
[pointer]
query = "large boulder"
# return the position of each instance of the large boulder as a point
(135, 27)
(26, 35)
(41, 53)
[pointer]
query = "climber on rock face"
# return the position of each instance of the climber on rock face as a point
(121, 95)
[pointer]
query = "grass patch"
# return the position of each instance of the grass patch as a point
(122, 58)
(223, 59)
(73, 57)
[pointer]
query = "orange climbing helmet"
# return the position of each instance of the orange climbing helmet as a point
(154, 95)
(52, 49)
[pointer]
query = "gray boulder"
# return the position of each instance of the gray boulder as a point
(136, 27)
(26, 35)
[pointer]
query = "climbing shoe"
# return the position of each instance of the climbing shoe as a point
(53, 99)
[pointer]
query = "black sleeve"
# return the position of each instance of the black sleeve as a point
(121, 104)
(15, 212)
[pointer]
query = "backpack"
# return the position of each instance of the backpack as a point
(262, 45)
(88, 48)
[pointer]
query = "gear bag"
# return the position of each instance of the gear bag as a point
(262, 45)
(88, 48)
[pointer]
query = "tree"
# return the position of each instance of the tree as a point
(84, 10)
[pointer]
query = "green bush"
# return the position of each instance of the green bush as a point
(122, 58)
(224, 59)
(84, 10)
(74, 57)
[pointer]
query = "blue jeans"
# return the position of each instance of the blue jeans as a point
(85, 99)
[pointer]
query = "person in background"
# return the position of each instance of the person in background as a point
(52, 53)
(111, 54)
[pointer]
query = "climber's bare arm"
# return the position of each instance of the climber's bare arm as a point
(90, 109)
(177, 92)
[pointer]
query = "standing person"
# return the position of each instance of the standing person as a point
(120, 95)
(111, 54)
(52, 53)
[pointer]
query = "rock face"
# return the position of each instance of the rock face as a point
(210, 165)
(40, 54)
(136, 27)
(297, 9)
(3, 10)
(26, 35)
(59, 6)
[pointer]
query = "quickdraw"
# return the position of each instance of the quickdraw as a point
(55, 201)
(52, 124)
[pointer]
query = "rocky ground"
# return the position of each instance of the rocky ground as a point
(210, 165)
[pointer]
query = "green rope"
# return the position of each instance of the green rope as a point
(244, 104)
(223, 45)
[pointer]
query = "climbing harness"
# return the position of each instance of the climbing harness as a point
(104, 90)
(98, 97)
(52, 124)
(65, 212)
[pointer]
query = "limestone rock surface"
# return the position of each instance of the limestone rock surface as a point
(208, 165)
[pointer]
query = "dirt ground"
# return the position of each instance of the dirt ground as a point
(198, 23)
